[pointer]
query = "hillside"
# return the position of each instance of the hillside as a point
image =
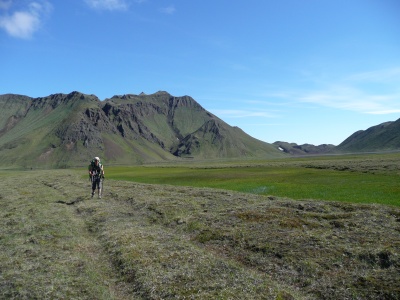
(382, 137)
(64, 130)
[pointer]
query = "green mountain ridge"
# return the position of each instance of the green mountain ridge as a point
(67, 130)
(382, 137)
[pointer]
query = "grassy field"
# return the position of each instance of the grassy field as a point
(357, 179)
(160, 241)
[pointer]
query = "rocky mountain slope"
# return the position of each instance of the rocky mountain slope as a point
(64, 130)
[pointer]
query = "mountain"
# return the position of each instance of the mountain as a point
(382, 137)
(64, 130)
(305, 149)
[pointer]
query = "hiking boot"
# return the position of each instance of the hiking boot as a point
(99, 196)
(92, 195)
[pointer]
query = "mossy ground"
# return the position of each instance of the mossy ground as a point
(148, 241)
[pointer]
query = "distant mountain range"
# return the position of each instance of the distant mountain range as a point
(379, 138)
(305, 149)
(67, 130)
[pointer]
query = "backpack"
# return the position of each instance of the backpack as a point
(93, 166)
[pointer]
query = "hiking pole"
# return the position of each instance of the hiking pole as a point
(102, 185)
(91, 183)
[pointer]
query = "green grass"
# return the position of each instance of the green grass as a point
(295, 180)
(44, 253)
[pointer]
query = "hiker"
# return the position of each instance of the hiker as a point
(96, 172)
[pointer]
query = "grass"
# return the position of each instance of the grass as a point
(44, 252)
(299, 179)
(159, 241)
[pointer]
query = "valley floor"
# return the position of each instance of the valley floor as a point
(143, 241)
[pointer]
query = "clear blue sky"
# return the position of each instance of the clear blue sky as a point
(303, 71)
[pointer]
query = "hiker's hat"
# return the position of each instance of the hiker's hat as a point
(96, 158)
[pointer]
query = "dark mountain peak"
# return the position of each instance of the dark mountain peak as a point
(184, 101)
(162, 93)
(75, 94)
(54, 100)
(81, 96)
(160, 101)
(123, 97)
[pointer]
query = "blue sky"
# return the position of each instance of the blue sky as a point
(303, 71)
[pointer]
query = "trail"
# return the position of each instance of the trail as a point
(47, 251)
